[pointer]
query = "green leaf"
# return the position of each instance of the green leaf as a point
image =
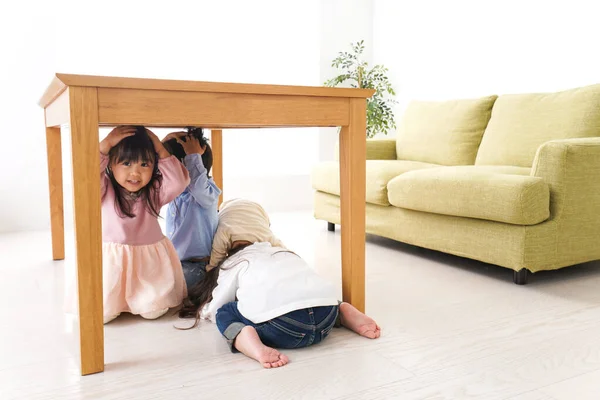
(380, 116)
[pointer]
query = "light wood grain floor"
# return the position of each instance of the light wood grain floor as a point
(452, 329)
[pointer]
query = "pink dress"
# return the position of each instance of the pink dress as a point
(140, 267)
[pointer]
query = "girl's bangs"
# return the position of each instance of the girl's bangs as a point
(130, 151)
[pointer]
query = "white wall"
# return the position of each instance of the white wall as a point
(25, 68)
(469, 48)
(342, 22)
(264, 41)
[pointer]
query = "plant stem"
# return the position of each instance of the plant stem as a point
(360, 73)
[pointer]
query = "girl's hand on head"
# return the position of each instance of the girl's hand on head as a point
(191, 145)
(115, 136)
(152, 135)
(158, 146)
(174, 135)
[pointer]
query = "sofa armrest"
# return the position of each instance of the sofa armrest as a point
(571, 167)
(377, 149)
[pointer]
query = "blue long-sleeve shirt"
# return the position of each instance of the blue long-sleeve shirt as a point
(192, 217)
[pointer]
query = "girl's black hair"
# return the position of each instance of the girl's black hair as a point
(136, 148)
(177, 150)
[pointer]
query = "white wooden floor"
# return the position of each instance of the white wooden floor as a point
(452, 329)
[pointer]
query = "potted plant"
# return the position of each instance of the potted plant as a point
(380, 116)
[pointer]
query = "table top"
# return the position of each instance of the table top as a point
(61, 81)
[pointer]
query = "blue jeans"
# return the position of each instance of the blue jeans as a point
(299, 328)
(193, 272)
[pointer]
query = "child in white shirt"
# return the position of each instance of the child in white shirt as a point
(264, 297)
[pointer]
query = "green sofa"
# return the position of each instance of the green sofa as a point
(512, 180)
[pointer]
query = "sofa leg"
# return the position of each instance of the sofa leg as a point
(331, 227)
(520, 277)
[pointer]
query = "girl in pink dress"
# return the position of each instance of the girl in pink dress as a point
(141, 270)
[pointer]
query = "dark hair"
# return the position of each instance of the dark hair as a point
(201, 293)
(136, 148)
(177, 150)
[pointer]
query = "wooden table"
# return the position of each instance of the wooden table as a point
(87, 102)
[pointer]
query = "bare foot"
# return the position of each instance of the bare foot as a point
(248, 342)
(359, 322)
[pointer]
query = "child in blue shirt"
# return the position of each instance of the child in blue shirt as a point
(192, 217)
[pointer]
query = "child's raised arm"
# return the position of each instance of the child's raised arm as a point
(205, 192)
(158, 146)
(175, 175)
(114, 137)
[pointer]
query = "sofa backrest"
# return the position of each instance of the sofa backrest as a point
(445, 133)
(521, 123)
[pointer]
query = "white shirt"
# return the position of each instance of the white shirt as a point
(268, 282)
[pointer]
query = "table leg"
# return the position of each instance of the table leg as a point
(352, 197)
(55, 186)
(216, 138)
(88, 236)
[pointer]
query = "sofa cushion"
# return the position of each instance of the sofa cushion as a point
(521, 123)
(473, 192)
(377, 149)
(445, 133)
(325, 177)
